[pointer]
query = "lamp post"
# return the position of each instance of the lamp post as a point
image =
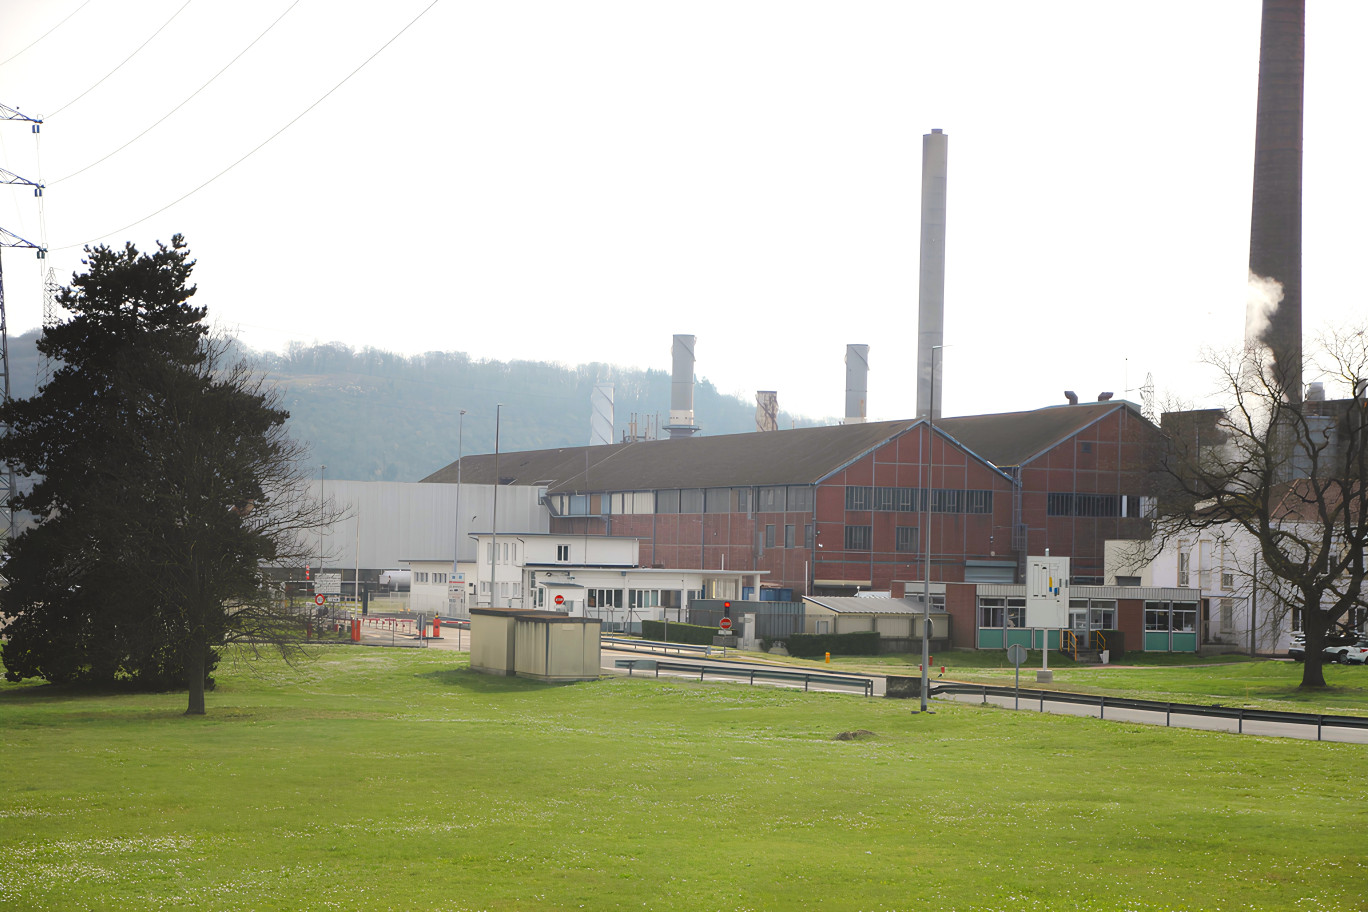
(926, 531)
(322, 511)
(456, 554)
(494, 547)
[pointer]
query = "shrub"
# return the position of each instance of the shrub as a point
(812, 645)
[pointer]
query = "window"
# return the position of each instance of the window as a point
(1227, 582)
(643, 598)
(1094, 505)
(907, 539)
(667, 501)
(993, 610)
(743, 500)
(1102, 615)
(772, 500)
(420, 576)
(439, 577)
(1128, 581)
(858, 538)
(717, 500)
(769, 536)
(807, 535)
(789, 536)
(859, 498)
(800, 498)
(579, 505)
(1227, 614)
(1185, 617)
(691, 500)
(562, 552)
(603, 598)
(1156, 616)
(1184, 574)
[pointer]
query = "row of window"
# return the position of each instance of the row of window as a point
(636, 599)
(906, 539)
(764, 499)
(426, 576)
(790, 536)
(915, 500)
(1099, 505)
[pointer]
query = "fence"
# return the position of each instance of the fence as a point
(773, 620)
(1241, 715)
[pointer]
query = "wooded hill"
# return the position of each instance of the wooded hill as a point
(373, 415)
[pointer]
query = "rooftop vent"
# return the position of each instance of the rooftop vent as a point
(1071, 396)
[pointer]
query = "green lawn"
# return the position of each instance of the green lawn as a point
(396, 779)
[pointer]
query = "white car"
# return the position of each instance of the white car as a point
(1354, 654)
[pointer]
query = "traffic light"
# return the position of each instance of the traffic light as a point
(307, 577)
(726, 608)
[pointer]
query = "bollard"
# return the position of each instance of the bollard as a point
(436, 627)
(828, 658)
(356, 630)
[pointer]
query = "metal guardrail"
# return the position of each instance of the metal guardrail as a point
(749, 674)
(658, 646)
(1241, 714)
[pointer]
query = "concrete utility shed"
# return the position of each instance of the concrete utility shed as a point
(543, 645)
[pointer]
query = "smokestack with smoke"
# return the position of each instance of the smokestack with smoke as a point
(1274, 317)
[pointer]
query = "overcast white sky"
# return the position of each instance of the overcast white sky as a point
(577, 181)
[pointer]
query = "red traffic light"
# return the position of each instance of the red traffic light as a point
(726, 605)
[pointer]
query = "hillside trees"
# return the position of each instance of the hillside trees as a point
(165, 484)
(1289, 478)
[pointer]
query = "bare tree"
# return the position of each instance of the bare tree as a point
(1287, 474)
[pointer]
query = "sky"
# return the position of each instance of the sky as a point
(577, 182)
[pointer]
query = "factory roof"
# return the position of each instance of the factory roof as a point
(790, 457)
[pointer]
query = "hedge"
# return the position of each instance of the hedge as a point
(812, 645)
(679, 633)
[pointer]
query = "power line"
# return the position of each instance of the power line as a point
(267, 140)
(125, 60)
(186, 101)
(45, 34)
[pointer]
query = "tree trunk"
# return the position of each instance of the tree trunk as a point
(1312, 673)
(194, 674)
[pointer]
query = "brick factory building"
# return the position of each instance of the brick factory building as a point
(840, 509)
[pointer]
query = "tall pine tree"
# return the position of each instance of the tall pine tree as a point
(165, 485)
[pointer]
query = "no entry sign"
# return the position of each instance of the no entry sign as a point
(726, 623)
(560, 600)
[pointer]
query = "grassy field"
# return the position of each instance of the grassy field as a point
(397, 779)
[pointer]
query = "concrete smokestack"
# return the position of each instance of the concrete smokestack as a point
(857, 383)
(682, 389)
(767, 410)
(601, 414)
(931, 290)
(1275, 223)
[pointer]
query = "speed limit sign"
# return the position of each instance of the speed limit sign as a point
(320, 599)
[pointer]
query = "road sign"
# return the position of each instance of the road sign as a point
(320, 599)
(560, 600)
(726, 623)
(329, 584)
(1016, 653)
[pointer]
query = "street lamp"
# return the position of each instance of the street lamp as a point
(456, 554)
(322, 511)
(926, 531)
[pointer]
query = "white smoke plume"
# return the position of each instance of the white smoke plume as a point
(1262, 300)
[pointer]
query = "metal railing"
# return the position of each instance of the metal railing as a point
(750, 675)
(1242, 714)
(656, 646)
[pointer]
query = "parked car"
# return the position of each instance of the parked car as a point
(1346, 649)
(1353, 654)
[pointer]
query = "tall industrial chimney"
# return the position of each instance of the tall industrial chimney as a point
(767, 410)
(857, 383)
(1275, 223)
(601, 414)
(931, 290)
(682, 389)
